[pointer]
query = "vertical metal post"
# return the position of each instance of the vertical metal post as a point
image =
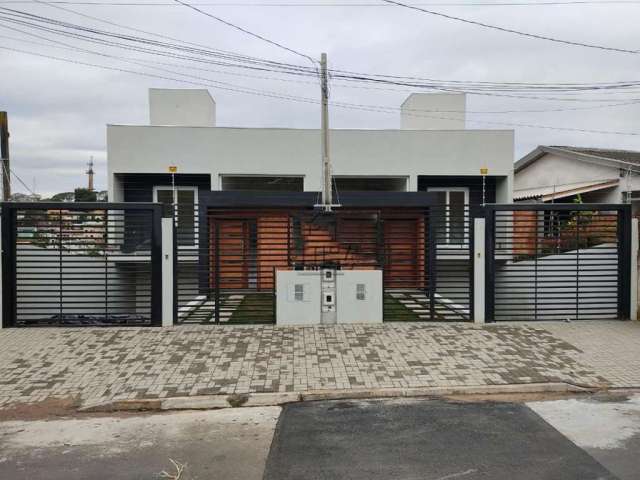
(9, 260)
(624, 256)
(578, 264)
(433, 252)
(490, 273)
(633, 264)
(274, 294)
(156, 265)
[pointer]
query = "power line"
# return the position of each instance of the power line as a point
(510, 30)
(331, 4)
(372, 108)
(248, 32)
(150, 63)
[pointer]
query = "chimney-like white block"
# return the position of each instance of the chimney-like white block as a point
(181, 107)
(433, 111)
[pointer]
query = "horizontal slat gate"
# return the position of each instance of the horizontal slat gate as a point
(81, 264)
(557, 262)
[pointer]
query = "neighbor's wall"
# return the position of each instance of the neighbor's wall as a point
(238, 151)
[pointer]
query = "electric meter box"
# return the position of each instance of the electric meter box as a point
(359, 296)
(314, 297)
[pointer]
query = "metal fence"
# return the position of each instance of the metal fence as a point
(557, 261)
(81, 264)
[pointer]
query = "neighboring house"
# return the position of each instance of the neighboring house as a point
(561, 173)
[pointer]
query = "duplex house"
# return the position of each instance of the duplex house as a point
(244, 197)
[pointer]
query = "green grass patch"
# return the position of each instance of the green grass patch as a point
(254, 308)
(395, 311)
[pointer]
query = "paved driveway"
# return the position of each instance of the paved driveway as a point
(99, 365)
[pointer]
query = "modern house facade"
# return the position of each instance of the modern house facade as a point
(561, 173)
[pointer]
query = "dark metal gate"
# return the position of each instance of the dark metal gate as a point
(557, 261)
(226, 261)
(81, 264)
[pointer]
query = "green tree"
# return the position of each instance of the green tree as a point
(84, 195)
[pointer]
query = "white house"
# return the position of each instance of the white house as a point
(431, 150)
(560, 173)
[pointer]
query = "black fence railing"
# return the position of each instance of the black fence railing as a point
(81, 264)
(557, 261)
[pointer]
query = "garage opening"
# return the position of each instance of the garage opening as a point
(262, 183)
(371, 184)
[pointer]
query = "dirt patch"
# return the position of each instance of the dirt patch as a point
(50, 407)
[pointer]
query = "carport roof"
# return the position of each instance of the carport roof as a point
(555, 192)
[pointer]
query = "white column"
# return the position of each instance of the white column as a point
(633, 310)
(478, 270)
(1, 319)
(167, 272)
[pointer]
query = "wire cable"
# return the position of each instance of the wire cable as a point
(510, 30)
(248, 32)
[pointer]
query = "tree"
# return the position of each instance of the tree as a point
(84, 195)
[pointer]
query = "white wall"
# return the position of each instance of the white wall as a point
(273, 151)
(553, 169)
(433, 111)
(191, 107)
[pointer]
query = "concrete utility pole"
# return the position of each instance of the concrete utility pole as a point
(4, 156)
(327, 191)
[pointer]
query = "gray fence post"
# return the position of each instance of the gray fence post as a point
(479, 290)
(167, 272)
(633, 295)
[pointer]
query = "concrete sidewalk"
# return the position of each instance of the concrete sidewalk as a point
(102, 365)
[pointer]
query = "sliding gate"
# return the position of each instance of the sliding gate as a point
(81, 264)
(226, 261)
(557, 261)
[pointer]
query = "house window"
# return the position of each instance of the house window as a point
(451, 217)
(185, 203)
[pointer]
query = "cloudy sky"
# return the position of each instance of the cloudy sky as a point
(58, 110)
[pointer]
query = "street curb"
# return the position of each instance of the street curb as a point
(214, 402)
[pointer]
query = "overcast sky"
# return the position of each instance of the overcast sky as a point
(58, 111)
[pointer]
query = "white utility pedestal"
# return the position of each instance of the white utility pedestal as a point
(315, 297)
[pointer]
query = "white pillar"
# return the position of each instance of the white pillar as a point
(167, 272)
(633, 310)
(1, 319)
(478, 270)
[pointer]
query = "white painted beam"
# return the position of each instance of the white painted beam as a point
(633, 297)
(167, 272)
(478, 270)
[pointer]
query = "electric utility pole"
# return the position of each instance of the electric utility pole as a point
(4, 156)
(327, 191)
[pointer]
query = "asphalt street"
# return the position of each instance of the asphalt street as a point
(582, 438)
(423, 439)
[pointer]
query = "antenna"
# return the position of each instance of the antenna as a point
(90, 173)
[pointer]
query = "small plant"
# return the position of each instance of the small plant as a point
(237, 400)
(178, 473)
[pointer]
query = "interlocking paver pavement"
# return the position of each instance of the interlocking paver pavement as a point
(114, 364)
(611, 348)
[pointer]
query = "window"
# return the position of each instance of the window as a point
(298, 294)
(185, 202)
(360, 291)
(451, 226)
